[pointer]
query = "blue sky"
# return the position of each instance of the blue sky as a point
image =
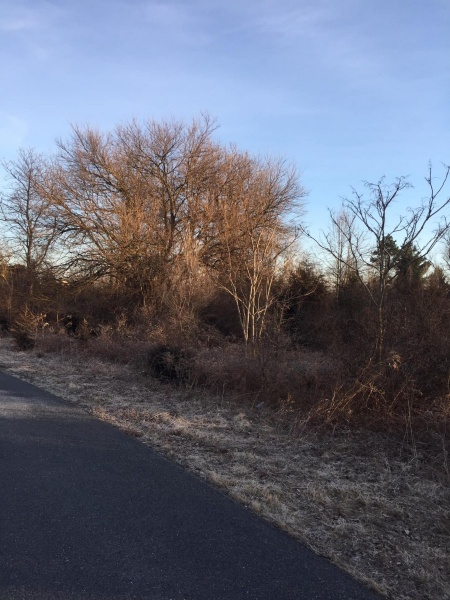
(347, 90)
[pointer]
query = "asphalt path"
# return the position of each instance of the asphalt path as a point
(90, 513)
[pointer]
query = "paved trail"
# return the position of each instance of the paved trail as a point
(89, 513)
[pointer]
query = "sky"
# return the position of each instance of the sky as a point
(346, 90)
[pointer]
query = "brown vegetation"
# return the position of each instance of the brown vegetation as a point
(157, 235)
(157, 247)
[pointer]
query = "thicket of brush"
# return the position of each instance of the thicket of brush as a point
(157, 246)
(315, 361)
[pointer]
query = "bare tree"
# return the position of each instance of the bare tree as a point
(28, 211)
(176, 159)
(341, 240)
(250, 233)
(128, 199)
(379, 228)
(103, 206)
(160, 210)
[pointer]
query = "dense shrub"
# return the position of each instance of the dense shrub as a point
(168, 363)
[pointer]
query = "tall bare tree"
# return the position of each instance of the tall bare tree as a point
(374, 228)
(103, 206)
(127, 199)
(341, 240)
(28, 211)
(249, 233)
(161, 210)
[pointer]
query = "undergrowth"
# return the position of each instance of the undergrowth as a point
(299, 387)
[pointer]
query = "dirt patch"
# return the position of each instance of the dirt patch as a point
(378, 509)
